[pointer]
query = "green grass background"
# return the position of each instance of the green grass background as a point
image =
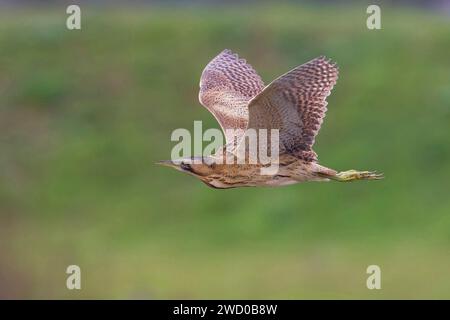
(85, 114)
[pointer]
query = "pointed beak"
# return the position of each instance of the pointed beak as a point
(167, 163)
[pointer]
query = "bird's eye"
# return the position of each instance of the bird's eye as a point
(185, 166)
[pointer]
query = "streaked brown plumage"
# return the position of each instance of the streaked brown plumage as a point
(295, 104)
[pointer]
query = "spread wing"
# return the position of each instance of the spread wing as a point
(295, 104)
(227, 85)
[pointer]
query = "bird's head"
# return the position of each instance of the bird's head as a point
(200, 167)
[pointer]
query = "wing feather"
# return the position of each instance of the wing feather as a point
(227, 85)
(295, 103)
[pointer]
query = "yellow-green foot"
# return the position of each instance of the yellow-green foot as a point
(351, 175)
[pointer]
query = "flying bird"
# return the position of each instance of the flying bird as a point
(294, 104)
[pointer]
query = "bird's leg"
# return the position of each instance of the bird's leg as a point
(351, 175)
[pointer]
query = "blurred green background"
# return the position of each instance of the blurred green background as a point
(85, 114)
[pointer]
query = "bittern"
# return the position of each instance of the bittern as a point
(294, 104)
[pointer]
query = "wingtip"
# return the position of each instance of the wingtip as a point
(228, 51)
(236, 56)
(329, 61)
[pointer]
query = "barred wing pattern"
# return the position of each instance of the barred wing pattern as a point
(227, 85)
(295, 104)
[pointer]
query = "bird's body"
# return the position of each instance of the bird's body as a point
(293, 104)
(291, 170)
